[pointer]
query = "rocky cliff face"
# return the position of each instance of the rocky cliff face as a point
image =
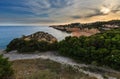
(40, 36)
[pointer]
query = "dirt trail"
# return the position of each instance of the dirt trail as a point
(64, 60)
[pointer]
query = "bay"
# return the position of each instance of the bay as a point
(8, 33)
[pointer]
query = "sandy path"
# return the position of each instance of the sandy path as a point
(60, 59)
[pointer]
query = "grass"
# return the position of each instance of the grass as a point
(45, 69)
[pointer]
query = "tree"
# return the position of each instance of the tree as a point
(101, 49)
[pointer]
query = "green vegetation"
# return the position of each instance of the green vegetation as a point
(30, 46)
(5, 68)
(100, 49)
(45, 69)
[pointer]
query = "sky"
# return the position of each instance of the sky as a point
(35, 12)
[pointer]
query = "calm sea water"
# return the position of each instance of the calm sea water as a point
(8, 33)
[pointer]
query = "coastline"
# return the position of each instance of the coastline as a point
(13, 32)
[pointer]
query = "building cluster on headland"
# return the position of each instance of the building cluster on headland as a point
(101, 26)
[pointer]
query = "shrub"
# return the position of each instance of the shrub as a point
(5, 68)
(23, 46)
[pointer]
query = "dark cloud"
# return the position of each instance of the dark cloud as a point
(96, 12)
(76, 17)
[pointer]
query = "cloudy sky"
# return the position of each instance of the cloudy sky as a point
(57, 11)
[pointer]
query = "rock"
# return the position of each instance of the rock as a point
(40, 36)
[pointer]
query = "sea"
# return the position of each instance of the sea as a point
(8, 33)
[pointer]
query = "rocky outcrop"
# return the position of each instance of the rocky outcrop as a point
(40, 36)
(39, 41)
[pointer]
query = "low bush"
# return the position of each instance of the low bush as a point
(6, 70)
